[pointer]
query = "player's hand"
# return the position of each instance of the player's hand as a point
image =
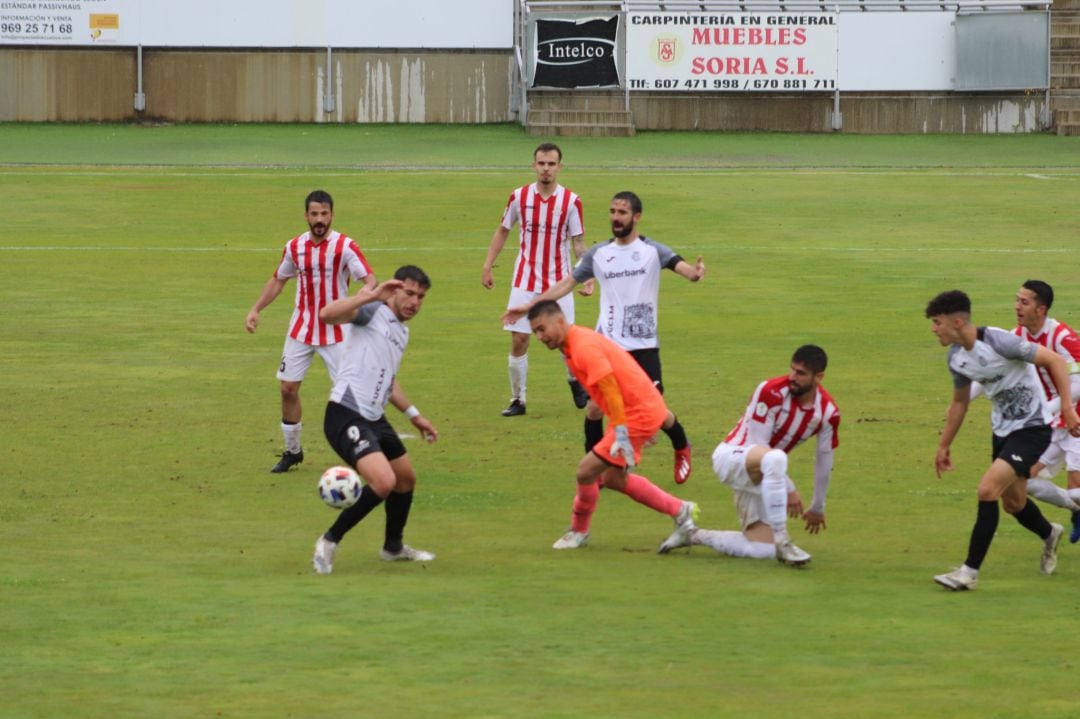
(251, 322)
(427, 429)
(587, 287)
(943, 461)
(513, 314)
(486, 278)
(621, 446)
(699, 270)
(794, 504)
(815, 521)
(386, 289)
(1072, 421)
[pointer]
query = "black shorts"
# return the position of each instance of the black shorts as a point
(352, 436)
(1022, 448)
(649, 360)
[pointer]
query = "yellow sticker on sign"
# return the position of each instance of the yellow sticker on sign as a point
(102, 21)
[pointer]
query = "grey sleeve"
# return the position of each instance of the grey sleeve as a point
(583, 270)
(1009, 345)
(959, 381)
(365, 313)
(668, 257)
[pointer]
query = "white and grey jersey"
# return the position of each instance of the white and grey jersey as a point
(1001, 362)
(373, 350)
(629, 278)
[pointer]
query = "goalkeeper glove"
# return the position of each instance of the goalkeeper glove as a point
(622, 445)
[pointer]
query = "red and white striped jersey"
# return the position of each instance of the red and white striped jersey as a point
(774, 418)
(1060, 338)
(322, 271)
(546, 226)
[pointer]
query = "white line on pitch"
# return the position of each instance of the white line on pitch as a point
(457, 249)
(270, 173)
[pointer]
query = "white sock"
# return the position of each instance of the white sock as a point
(1047, 491)
(519, 370)
(733, 544)
(292, 436)
(774, 492)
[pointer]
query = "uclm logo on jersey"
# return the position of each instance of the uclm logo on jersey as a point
(571, 53)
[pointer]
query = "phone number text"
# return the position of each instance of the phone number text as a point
(736, 83)
(35, 28)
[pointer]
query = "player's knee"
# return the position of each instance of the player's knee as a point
(989, 492)
(586, 474)
(290, 391)
(774, 463)
(1012, 505)
(405, 483)
(519, 345)
(382, 484)
(614, 478)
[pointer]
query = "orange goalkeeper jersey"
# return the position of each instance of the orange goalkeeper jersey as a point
(591, 357)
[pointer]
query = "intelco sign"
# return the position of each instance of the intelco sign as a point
(575, 53)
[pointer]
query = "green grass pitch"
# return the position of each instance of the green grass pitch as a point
(152, 567)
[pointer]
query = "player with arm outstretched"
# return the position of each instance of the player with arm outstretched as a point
(628, 268)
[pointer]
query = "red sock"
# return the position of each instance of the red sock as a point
(643, 491)
(584, 506)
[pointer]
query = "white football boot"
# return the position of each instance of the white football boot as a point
(323, 561)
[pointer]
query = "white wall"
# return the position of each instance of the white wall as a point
(433, 24)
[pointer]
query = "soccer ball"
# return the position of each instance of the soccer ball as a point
(340, 487)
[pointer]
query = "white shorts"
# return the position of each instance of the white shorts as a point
(296, 358)
(520, 297)
(1063, 447)
(729, 463)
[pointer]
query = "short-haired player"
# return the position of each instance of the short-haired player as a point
(1033, 323)
(628, 268)
(323, 261)
(635, 410)
(783, 412)
(1001, 361)
(355, 423)
(551, 225)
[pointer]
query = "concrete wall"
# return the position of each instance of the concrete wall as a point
(255, 86)
(861, 112)
(70, 85)
(66, 85)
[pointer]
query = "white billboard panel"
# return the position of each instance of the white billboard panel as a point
(913, 51)
(757, 52)
(464, 24)
(69, 22)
